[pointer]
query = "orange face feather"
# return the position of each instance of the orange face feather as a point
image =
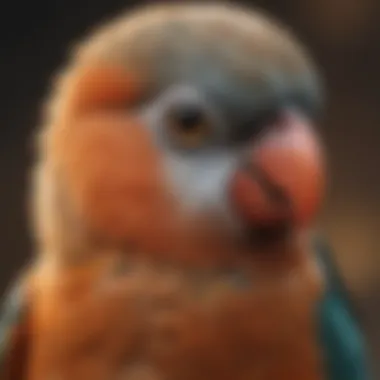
(113, 173)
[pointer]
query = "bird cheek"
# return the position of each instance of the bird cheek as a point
(92, 88)
(282, 177)
(112, 174)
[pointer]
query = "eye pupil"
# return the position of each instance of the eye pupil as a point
(189, 126)
(188, 117)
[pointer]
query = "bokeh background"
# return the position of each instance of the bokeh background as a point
(342, 35)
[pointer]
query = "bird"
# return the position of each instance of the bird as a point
(178, 174)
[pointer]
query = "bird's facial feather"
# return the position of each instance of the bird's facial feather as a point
(211, 91)
(198, 169)
(204, 129)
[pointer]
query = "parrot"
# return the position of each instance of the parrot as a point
(178, 175)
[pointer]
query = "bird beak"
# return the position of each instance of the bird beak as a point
(281, 179)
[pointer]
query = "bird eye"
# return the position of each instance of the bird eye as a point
(188, 126)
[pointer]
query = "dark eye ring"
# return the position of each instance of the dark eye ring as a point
(188, 125)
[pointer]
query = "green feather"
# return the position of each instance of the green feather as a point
(344, 347)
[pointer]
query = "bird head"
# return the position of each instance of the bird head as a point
(184, 129)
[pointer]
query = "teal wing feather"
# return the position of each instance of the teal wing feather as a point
(13, 319)
(344, 347)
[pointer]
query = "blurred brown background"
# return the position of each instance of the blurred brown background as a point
(343, 36)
